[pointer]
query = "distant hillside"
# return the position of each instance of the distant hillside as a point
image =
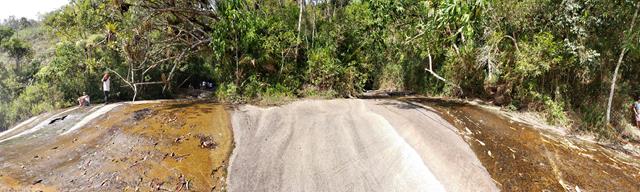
(40, 47)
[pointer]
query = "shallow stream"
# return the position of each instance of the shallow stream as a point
(521, 157)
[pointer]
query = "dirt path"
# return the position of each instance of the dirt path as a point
(342, 145)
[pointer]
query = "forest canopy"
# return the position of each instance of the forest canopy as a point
(571, 60)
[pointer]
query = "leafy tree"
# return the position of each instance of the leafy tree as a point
(18, 50)
(5, 33)
(554, 57)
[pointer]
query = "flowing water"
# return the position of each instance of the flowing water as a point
(520, 157)
(185, 146)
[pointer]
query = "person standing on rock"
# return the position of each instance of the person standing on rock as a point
(636, 111)
(106, 83)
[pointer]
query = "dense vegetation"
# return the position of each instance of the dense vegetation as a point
(558, 57)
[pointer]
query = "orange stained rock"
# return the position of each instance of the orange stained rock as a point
(522, 158)
(133, 147)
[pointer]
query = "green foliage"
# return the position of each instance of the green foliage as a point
(20, 95)
(5, 34)
(537, 57)
(228, 92)
(275, 95)
(324, 71)
(391, 77)
(554, 57)
(554, 111)
(592, 118)
(314, 92)
(33, 101)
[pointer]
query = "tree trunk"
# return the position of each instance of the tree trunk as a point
(430, 70)
(135, 92)
(237, 61)
(299, 26)
(17, 69)
(313, 24)
(616, 71)
(130, 83)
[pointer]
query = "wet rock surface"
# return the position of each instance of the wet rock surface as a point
(520, 157)
(142, 114)
(132, 147)
(310, 145)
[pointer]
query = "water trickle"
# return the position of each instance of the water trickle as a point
(522, 158)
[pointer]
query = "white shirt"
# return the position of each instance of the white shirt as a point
(106, 84)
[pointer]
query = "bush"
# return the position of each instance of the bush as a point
(310, 91)
(228, 92)
(592, 119)
(35, 99)
(277, 94)
(323, 69)
(391, 78)
(555, 112)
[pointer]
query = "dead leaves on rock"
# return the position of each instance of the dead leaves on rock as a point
(207, 142)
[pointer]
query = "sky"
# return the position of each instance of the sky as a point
(28, 8)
